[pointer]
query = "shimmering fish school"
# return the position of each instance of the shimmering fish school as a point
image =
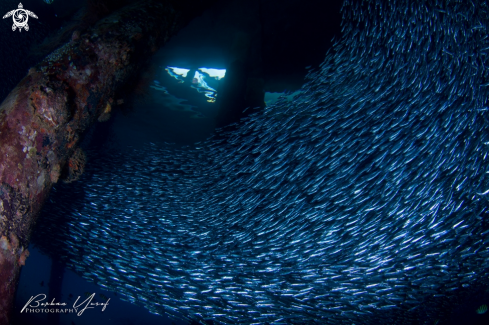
(364, 196)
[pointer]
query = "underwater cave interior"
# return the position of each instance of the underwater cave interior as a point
(237, 57)
(238, 60)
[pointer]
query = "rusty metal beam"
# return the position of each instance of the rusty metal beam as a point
(43, 118)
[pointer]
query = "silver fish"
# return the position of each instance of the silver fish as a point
(363, 200)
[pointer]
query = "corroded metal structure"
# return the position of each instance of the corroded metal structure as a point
(43, 118)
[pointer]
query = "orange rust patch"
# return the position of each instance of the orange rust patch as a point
(71, 144)
(25, 254)
(108, 108)
(14, 241)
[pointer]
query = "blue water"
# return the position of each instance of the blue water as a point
(152, 116)
(34, 280)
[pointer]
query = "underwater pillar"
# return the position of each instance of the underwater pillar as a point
(44, 117)
(243, 85)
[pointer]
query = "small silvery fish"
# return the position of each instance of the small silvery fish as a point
(362, 200)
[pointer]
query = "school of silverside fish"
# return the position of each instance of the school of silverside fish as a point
(365, 195)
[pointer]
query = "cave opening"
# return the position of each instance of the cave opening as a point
(236, 58)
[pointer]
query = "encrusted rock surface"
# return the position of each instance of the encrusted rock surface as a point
(43, 118)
